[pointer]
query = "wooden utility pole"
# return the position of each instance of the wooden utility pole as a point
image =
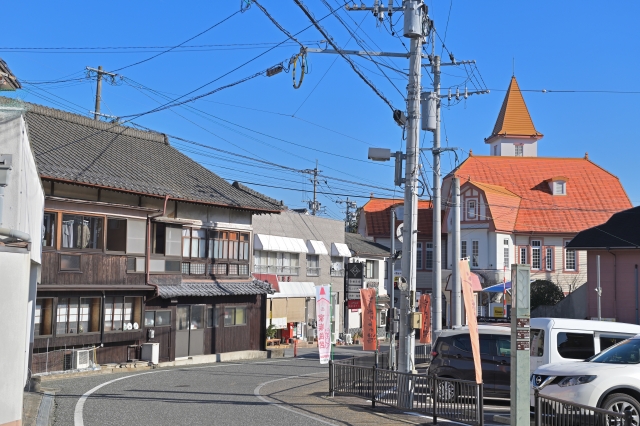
(99, 73)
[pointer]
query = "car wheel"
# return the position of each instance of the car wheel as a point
(447, 391)
(620, 402)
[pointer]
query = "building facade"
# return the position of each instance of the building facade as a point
(21, 207)
(140, 245)
(615, 244)
(517, 207)
(296, 252)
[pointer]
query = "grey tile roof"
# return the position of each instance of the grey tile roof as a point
(214, 288)
(74, 148)
(620, 231)
(361, 246)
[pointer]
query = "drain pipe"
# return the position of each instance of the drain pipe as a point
(637, 313)
(148, 256)
(615, 284)
(14, 233)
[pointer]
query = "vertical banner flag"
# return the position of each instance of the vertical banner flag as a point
(425, 308)
(323, 318)
(369, 331)
(472, 321)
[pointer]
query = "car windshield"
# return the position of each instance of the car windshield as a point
(626, 352)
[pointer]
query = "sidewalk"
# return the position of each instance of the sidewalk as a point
(309, 395)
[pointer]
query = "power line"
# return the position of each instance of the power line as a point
(346, 58)
(184, 42)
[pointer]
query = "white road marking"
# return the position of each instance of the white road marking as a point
(78, 412)
(256, 392)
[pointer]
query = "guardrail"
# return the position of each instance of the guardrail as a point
(551, 411)
(451, 399)
(422, 356)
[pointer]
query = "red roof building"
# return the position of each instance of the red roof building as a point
(521, 208)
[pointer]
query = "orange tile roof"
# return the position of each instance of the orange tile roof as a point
(593, 194)
(377, 214)
(514, 118)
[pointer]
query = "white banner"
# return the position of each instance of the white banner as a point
(323, 318)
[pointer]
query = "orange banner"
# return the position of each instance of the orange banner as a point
(369, 329)
(472, 320)
(425, 308)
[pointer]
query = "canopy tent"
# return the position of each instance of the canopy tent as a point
(498, 288)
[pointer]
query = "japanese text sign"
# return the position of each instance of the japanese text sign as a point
(369, 329)
(323, 318)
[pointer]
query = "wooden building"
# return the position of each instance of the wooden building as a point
(140, 244)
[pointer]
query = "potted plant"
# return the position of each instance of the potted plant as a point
(356, 337)
(271, 331)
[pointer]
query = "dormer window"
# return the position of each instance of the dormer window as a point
(471, 209)
(558, 185)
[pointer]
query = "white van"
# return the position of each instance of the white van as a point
(555, 340)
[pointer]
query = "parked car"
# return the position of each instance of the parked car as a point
(452, 357)
(556, 340)
(609, 380)
(553, 340)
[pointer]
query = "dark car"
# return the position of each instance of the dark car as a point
(452, 357)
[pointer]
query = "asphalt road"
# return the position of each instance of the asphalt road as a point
(211, 394)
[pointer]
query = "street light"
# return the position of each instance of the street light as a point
(385, 154)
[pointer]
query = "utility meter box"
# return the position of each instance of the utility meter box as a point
(416, 320)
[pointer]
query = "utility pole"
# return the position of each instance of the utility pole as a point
(99, 73)
(314, 205)
(350, 205)
(455, 266)
(437, 206)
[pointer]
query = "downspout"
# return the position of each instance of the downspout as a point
(14, 233)
(148, 257)
(637, 313)
(102, 328)
(615, 284)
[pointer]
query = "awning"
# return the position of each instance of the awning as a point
(316, 247)
(498, 288)
(277, 243)
(340, 249)
(294, 289)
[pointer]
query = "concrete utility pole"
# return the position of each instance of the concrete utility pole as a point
(437, 208)
(455, 269)
(413, 24)
(314, 205)
(99, 73)
(350, 205)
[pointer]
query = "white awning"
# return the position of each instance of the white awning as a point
(340, 249)
(316, 247)
(277, 243)
(294, 289)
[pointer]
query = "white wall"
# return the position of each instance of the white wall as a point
(22, 210)
(506, 147)
(14, 314)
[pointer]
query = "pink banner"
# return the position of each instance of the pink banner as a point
(472, 321)
(369, 329)
(323, 318)
(425, 308)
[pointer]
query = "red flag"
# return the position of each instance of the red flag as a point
(369, 329)
(472, 321)
(425, 308)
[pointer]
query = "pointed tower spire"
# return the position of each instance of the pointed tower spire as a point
(514, 133)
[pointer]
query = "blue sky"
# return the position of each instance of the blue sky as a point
(569, 45)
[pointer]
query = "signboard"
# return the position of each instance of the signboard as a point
(425, 308)
(369, 323)
(353, 304)
(498, 312)
(470, 310)
(520, 343)
(323, 319)
(372, 284)
(353, 281)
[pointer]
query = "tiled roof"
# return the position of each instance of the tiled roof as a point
(377, 213)
(620, 231)
(503, 205)
(72, 148)
(514, 118)
(214, 288)
(592, 193)
(360, 246)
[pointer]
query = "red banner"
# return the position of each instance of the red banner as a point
(472, 321)
(425, 308)
(369, 329)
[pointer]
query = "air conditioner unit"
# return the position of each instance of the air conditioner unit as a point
(81, 359)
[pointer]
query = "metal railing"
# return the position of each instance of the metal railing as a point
(422, 356)
(456, 400)
(551, 411)
(313, 271)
